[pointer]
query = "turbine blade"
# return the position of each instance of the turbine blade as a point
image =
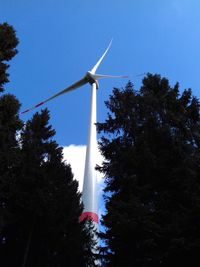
(99, 76)
(93, 70)
(66, 90)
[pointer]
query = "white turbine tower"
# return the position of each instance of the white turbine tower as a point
(89, 194)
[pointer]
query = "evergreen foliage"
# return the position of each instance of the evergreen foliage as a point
(151, 141)
(39, 199)
(10, 125)
(49, 199)
(8, 43)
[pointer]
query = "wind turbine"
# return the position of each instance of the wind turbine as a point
(89, 193)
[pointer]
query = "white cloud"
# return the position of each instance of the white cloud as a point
(75, 155)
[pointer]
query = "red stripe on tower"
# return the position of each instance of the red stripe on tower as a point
(89, 216)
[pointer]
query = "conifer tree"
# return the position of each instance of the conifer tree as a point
(8, 44)
(39, 199)
(10, 125)
(151, 145)
(47, 202)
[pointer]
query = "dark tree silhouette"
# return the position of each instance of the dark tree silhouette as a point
(39, 199)
(151, 145)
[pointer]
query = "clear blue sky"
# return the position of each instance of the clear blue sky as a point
(61, 39)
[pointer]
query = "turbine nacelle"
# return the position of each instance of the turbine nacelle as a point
(92, 78)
